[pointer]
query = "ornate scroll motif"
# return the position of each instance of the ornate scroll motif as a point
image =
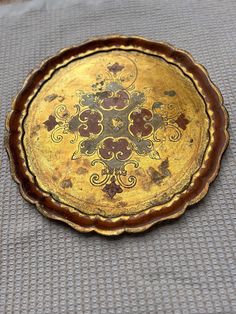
(114, 123)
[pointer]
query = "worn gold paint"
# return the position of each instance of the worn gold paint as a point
(68, 180)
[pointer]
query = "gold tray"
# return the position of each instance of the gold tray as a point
(116, 134)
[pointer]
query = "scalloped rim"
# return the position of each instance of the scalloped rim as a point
(144, 220)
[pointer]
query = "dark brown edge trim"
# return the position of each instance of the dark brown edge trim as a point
(141, 221)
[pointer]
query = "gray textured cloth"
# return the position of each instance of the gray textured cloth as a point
(186, 266)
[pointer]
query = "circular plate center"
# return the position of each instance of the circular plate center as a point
(116, 132)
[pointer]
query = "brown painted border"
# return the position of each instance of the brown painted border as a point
(139, 222)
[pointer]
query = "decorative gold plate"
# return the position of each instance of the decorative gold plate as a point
(116, 134)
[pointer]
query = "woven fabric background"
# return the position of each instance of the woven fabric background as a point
(186, 266)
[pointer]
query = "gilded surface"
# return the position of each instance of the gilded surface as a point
(115, 133)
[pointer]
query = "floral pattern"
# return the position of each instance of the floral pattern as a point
(118, 101)
(140, 126)
(115, 148)
(112, 123)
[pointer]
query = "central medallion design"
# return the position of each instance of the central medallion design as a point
(116, 124)
(112, 124)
